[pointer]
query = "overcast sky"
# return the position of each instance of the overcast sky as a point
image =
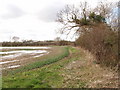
(32, 19)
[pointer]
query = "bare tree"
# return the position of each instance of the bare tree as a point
(93, 28)
(15, 38)
(77, 18)
(57, 39)
(109, 11)
(71, 16)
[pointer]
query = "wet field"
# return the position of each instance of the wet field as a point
(14, 57)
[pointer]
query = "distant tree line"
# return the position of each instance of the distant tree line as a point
(36, 43)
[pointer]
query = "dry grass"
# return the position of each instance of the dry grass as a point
(84, 72)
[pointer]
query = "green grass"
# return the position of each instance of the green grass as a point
(33, 76)
(55, 73)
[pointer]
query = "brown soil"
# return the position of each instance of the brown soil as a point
(24, 59)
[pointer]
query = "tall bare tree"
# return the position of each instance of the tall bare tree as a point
(109, 11)
(77, 18)
(95, 33)
(71, 16)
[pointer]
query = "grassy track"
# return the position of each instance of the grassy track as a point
(78, 70)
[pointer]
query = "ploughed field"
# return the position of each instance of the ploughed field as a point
(15, 57)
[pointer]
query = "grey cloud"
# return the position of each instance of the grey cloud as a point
(14, 12)
(48, 14)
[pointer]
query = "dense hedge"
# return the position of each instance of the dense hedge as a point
(102, 42)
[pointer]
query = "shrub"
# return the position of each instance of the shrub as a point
(102, 42)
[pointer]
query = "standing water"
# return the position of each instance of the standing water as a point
(10, 56)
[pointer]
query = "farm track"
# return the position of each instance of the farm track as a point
(78, 70)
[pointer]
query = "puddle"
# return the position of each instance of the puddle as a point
(10, 56)
(25, 47)
(24, 51)
(19, 53)
(14, 66)
(39, 55)
(8, 61)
